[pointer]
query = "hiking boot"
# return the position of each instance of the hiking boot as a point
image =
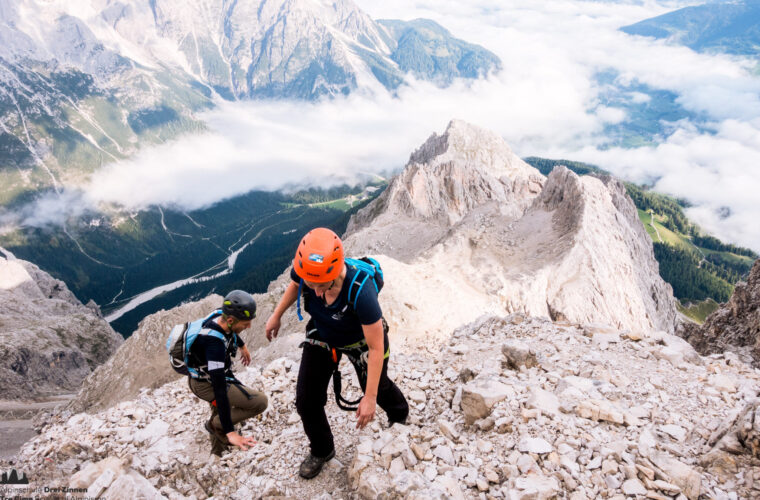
(311, 466)
(216, 433)
(217, 447)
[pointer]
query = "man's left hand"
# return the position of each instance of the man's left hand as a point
(245, 355)
(365, 412)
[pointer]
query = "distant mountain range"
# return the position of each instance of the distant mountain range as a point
(730, 27)
(87, 83)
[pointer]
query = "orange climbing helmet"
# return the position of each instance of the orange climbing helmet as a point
(319, 257)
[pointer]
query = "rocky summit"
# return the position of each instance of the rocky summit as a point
(492, 231)
(505, 407)
(735, 326)
(49, 341)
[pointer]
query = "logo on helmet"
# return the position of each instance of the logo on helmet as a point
(315, 257)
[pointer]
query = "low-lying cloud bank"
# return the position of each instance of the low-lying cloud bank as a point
(545, 102)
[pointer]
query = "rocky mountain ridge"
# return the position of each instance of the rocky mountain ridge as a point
(566, 247)
(735, 326)
(84, 83)
(49, 341)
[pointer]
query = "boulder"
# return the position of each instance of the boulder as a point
(479, 397)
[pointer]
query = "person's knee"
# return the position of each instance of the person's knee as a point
(260, 403)
(256, 402)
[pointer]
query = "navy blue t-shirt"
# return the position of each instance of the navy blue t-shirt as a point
(340, 324)
(211, 352)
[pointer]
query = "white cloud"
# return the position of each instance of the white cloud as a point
(713, 172)
(268, 145)
(545, 102)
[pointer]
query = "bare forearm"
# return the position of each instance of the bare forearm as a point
(374, 368)
(287, 300)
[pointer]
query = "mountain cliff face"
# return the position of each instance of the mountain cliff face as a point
(49, 341)
(570, 248)
(735, 326)
(445, 179)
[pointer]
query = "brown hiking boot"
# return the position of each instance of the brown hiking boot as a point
(217, 447)
(216, 432)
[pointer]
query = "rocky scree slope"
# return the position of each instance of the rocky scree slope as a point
(735, 326)
(49, 341)
(488, 225)
(506, 407)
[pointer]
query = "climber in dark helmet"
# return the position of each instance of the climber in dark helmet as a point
(210, 376)
(341, 296)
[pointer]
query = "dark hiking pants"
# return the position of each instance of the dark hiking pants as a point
(244, 401)
(314, 376)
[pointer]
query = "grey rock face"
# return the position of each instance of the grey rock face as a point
(566, 247)
(49, 341)
(733, 327)
(445, 179)
(426, 49)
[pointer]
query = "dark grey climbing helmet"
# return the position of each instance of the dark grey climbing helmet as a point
(240, 305)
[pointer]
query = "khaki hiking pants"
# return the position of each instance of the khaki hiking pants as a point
(242, 406)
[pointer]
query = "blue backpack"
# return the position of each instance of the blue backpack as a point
(368, 270)
(181, 338)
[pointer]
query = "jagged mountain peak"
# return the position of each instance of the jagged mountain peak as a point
(445, 178)
(465, 142)
(567, 247)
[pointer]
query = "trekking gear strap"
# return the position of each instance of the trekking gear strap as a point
(298, 301)
(343, 403)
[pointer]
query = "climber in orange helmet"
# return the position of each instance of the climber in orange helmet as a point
(345, 319)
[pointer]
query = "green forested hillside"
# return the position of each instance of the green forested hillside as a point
(699, 267)
(112, 258)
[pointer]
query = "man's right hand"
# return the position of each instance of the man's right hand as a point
(272, 328)
(241, 442)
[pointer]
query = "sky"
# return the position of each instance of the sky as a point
(545, 102)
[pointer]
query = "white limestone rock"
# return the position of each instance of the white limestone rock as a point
(529, 444)
(543, 400)
(519, 354)
(536, 487)
(131, 486)
(479, 397)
